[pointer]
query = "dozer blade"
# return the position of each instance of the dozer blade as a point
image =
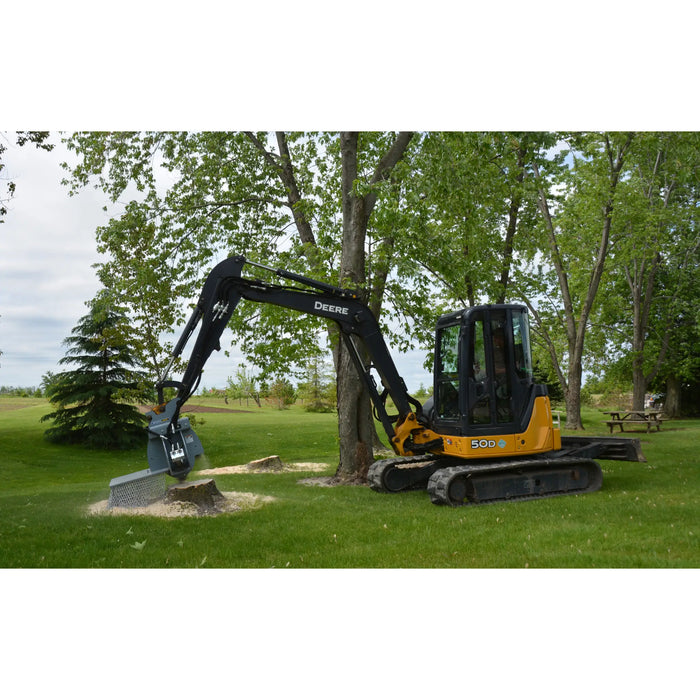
(624, 449)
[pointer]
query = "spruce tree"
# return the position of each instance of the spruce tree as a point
(95, 400)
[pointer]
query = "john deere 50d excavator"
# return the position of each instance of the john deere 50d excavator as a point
(486, 435)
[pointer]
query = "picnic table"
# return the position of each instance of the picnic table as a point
(650, 418)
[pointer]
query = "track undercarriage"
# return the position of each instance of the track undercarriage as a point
(456, 482)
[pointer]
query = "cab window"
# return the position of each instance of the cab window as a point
(448, 373)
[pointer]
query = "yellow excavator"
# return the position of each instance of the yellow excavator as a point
(487, 434)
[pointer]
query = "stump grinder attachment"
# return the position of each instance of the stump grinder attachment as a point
(172, 448)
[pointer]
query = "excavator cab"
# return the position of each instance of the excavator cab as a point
(485, 400)
(483, 371)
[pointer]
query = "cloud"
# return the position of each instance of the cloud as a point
(47, 249)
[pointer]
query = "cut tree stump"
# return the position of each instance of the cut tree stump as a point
(273, 463)
(203, 493)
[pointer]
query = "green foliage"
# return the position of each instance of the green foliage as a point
(93, 401)
(282, 393)
(243, 385)
(543, 374)
(649, 310)
(422, 393)
(206, 195)
(459, 220)
(318, 390)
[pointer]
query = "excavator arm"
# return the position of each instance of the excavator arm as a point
(174, 445)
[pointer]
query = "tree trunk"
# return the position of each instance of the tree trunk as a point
(355, 424)
(576, 326)
(672, 402)
(639, 388)
(513, 213)
(572, 396)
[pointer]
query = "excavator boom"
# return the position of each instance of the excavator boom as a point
(223, 289)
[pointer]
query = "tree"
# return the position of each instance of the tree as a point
(355, 424)
(475, 199)
(93, 401)
(577, 227)
(139, 276)
(318, 388)
(242, 385)
(282, 393)
(654, 266)
(272, 197)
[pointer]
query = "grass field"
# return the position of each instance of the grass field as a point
(645, 516)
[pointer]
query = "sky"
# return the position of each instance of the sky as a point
(47, 253)
(47, 248)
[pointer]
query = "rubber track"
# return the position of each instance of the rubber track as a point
(440, 481)
(379, 471)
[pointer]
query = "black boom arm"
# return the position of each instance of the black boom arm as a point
(225, 287)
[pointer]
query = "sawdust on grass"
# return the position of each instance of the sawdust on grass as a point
(246, 469)
(231, 502)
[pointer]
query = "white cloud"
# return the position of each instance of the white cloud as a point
(47, 248)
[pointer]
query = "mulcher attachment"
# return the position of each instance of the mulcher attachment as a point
(172, 448)
(172, 444)
(136, 490)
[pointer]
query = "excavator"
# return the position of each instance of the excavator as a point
(486, 435)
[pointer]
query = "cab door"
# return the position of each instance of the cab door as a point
(499, 370)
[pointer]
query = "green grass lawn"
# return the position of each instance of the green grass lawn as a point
(646, 514)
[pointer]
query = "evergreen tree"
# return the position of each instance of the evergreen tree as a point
(318, 389)
(92, 400)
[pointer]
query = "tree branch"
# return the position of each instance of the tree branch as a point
(385, 167)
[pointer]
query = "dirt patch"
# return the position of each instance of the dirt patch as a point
(231, 502)
(16, 405)
(246, 469)
(331, 481)
(188, 408)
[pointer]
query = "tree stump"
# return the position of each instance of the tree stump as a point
(273, 463)
(203, 493)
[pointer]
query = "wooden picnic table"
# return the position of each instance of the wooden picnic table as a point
(648, 417)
